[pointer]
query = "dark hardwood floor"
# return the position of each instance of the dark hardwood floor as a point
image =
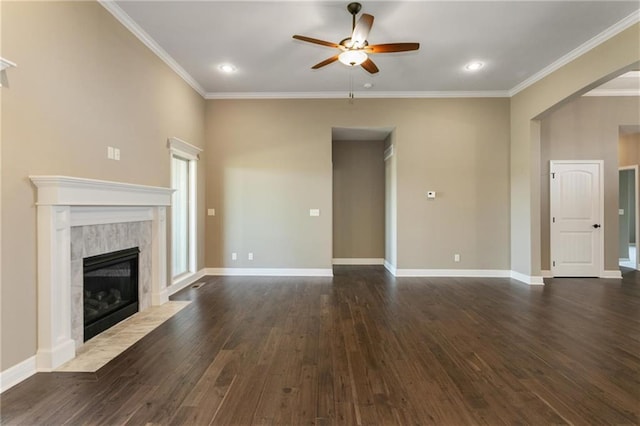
(365, 348)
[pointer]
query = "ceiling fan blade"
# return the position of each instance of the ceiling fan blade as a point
(316, 41)
(392, 47)
(325, 62)
(370, 66)
(361, 31)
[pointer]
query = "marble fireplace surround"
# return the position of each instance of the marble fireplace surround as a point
(64, 202)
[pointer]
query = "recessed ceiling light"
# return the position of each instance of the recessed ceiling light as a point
(474, 66)
(227, 68)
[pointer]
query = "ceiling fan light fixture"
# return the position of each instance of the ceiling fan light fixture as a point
(352, 58)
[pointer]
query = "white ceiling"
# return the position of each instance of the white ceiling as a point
(517, 40)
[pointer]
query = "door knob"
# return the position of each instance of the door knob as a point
(596, 225)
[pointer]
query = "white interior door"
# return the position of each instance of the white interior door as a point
(576, 218)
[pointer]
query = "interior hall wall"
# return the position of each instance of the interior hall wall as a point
(617, 55)
(358, 199)
(587, 128)
(83, 83)
(269, 162)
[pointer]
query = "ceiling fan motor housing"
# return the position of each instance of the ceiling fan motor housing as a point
(354, 8)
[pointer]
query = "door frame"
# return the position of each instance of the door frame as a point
(637, 204)
(552, 248)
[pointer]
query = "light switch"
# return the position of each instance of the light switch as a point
(314, 212)
(621, 212)
(211, 212)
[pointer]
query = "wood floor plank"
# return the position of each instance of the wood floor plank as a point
(365, 348)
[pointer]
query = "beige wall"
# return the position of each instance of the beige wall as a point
(358, 199)
(629, 148)
(83, 83)
(269, 162)
(586, 129)
(616, 55)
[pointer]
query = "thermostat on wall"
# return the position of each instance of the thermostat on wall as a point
(431, 194)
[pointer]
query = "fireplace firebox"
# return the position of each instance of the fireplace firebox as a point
(110, 292)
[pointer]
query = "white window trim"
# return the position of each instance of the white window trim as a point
(185, 150)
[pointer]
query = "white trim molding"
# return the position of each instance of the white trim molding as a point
(148, 41)
(270, 272)
(185, 281)
(358, 261)
(615, 274)
(73, 191)
(19, 372)
(476, 273)
(5, 63)
(605, 35)
(613, 92)
(389, 267)
(63, 202)
(360, 95)
(183, 149)
(527, 279)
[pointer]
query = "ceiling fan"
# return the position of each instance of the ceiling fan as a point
(354, 50)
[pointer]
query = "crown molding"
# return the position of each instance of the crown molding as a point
(148, 41)
(610, 32)
(5, 63)
(358, 95)
(613, 92)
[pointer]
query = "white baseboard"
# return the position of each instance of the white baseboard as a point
(478, 273)
(358, 261)
(185, 281)
(527, 279)
(19, 372)
(270, 272)
(612, 274)
(391, 268)
(616, 274)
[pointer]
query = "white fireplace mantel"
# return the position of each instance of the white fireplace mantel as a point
(63, 202)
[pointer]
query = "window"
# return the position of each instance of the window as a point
(184, 158)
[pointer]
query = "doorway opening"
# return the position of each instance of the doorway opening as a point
(628, 221)
(364, 176)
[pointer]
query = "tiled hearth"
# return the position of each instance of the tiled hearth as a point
(83, 217)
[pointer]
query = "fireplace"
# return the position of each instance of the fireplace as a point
(79, 218)
(110, 289)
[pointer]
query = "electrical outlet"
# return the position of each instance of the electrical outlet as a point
(116, 154)
(234, 256)
(211, 212)
(456, 257)
(314, 212)
(250, 256)
(110, 152)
